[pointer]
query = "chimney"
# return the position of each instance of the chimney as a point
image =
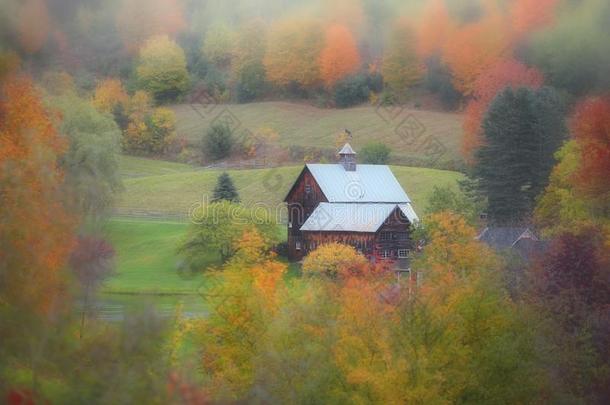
(347, 158)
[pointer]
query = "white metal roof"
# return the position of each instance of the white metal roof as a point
(347, 150)
(367, 184)
(360, 217)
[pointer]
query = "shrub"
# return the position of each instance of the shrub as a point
(375, 153)
(334, 260)
(352, 91)
(218, 141)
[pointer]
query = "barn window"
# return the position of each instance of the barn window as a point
(289, 224)
(297, 245)
(307, 188)
(385, 236)
(403, 253)
(386, 253)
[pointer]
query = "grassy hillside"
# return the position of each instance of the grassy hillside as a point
(305, 125)
(163, 186)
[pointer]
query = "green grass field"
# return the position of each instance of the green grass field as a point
(162, 186)
(146, 259)
(306, 125)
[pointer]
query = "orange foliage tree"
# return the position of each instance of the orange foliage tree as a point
(529, 15)
(138, 20)
(293, 49)
(591, 128)
(434, 29)
(503, 74)
(474, 48)
(33, 25)
(340, 56)
(108, 94)
(35, 229)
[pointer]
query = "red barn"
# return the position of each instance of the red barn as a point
(359, 205)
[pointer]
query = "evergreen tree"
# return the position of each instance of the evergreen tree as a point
(225, 189)
(523, 128)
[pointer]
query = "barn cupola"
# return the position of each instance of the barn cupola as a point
(347, 158)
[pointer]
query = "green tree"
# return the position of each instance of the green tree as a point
(449, 199)
(218, 141)
(162, 68)
(218, 45)
(91, 163)
(217, 227)
(523, 128)
(225, 189)
(375, 153)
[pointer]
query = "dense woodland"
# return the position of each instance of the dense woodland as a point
(85, 82)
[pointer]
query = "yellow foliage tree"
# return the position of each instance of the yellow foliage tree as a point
(334, 260)
(340, 56)
(293, 49)
(401, 68)
(162, 68)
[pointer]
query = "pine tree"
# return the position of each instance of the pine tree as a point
(523, 128)
(225, 189)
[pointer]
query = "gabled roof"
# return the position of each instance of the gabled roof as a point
(367, 184)
(365, 217)
(505, 237)
(347, 150)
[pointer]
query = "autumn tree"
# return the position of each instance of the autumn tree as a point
(161, 69)
(139, 20)
(434, 28)
(474, 48)
(149, 132)
(401, 67)
(334, 260)
(33, 25)
(36, 229)
(591, 129)
(505, 73)
(293, 51)
(531, 15)
(110, 93)
(570, 285)
(339, 57)
(243, 300)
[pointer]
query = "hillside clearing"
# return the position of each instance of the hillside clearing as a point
(406, 131)
(175, 188)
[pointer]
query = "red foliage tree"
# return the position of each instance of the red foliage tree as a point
(33, 25)
(340, 56)
(591, 128)
(503, 74)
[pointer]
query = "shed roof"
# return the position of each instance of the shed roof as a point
(366, 184)
(505, 237)
(364, 217)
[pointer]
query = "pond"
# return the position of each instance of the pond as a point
(113, 307)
